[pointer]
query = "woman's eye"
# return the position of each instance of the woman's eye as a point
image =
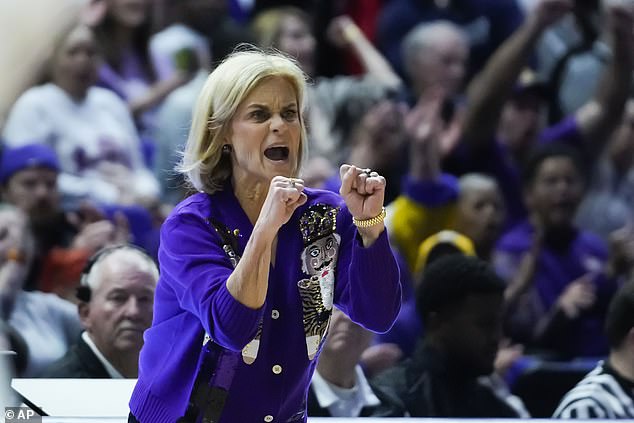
(259, 115)
(290, 114)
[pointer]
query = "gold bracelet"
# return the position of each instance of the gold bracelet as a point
(366, 223)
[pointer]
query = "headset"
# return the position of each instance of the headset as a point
(83, 291)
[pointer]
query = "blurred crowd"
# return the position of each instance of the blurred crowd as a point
(505, 129)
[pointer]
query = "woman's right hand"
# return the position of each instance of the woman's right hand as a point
(284, 197)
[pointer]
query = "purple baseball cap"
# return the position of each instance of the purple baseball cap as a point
(32, 155)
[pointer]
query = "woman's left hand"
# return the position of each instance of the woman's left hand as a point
(363, 191)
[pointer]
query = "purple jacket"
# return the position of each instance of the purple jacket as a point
(317, 248)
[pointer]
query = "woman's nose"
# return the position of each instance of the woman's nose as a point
(277, 123)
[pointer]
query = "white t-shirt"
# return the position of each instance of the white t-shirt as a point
(49, 326)
(86, 135)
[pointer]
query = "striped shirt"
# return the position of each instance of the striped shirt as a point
(601, 394)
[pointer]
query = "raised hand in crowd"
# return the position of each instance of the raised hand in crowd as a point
(598, 117)
(621, 244)
(95, 231)
(524, 276)
(342, 30)
(344, 33)
(548, 12)
(506, 356)
(120, 176)
(377, 139)
(124, 27)
(578, 296)
(492, 87)
(430, 136)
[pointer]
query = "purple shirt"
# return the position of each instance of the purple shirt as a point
(192, 299)
(555, 270)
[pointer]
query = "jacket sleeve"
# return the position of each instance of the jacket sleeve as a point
(368, 287)
(194, 265)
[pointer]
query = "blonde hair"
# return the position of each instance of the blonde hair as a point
(203, 165)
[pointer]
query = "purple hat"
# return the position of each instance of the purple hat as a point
(33, 155)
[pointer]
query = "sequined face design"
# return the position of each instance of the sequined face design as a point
(320, 254)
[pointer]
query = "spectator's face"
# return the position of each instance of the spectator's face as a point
(521, 121)
(556, 192)
(34, 191)
(442, 64)
(297, 40)
(382, 136)
(265, 133)
(481, 215)
(120, 309)
(75, 65)
(129, 13)
(472, 332)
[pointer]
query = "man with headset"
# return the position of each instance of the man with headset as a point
(116, 297)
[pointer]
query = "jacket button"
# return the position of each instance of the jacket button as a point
(275, 314)
(277, 369)
(268, 418)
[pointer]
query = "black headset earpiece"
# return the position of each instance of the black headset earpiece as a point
(83, 291)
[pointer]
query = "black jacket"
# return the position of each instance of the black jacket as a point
(79, 362)
(426, 385)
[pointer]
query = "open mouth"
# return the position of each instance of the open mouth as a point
(277, 153)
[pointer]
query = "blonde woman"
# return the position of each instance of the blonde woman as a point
(252, 264)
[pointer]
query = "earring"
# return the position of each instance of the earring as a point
(226, 149)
